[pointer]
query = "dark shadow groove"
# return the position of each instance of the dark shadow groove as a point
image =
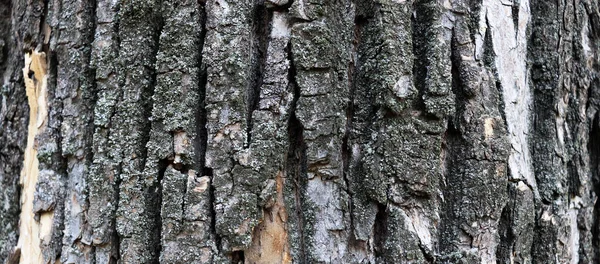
(201, 140)
(296, 161)
(213, 213)
(116, 244)
(489, 60)
(507, 238)
(594, 152)
(515, 16)
(237, 257)
(261, 23)
(154, 192)
(451, 147)
(359, 23)
(380, 229)
(90, 98)
(154, 199)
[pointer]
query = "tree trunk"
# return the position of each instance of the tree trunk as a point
(306, 131)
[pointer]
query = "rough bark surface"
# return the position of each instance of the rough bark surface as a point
(299, 131)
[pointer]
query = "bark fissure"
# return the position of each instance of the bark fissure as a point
(261, 23)
(346, 151)
(380, 229)
(213, 213)
(154, 199)
(201, 140)
(154, 208)
(516, 5)
(594, 156)
(296, 156)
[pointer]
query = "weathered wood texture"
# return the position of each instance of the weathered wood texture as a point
(305, 131)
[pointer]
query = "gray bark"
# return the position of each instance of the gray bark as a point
(306, 131)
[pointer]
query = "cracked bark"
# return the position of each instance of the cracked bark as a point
(263, 131)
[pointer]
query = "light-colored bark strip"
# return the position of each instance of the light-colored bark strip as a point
(510, 47)
(32, 232)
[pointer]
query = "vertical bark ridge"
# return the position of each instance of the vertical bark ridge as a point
(544, 133)
(261, 25)
(57, 145)
(399, 120)
(478, 148)
(320, 43)
(580, 121)
(103, 179)
(266, 150)
(74, 26)
(594, 150)
(13, 123)
(363, 111)
(182, 224)
(227, 55)
(563, 207)
(139, 30)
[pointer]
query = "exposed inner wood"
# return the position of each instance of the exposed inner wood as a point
(33, 233)
(270, 238)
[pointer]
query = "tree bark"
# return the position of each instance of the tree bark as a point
(306, 131)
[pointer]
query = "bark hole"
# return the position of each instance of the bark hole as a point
(380, 228)
(237, 257)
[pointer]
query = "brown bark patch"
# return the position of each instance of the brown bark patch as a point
(270, 238)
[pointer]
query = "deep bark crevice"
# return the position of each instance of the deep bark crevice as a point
(207, 171)
(154, 192)
(89, 104)
(296, 161)
(516, 5)
(59, 161)
(594, 152)
(380, 229)
(419, 27)
(489, 60)
(154, 206)
(5, 41)
(116, 237)
(359, 23)
(452, 151)
(261, 23)
(507, 239)
(201, 140)
(148, 94)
